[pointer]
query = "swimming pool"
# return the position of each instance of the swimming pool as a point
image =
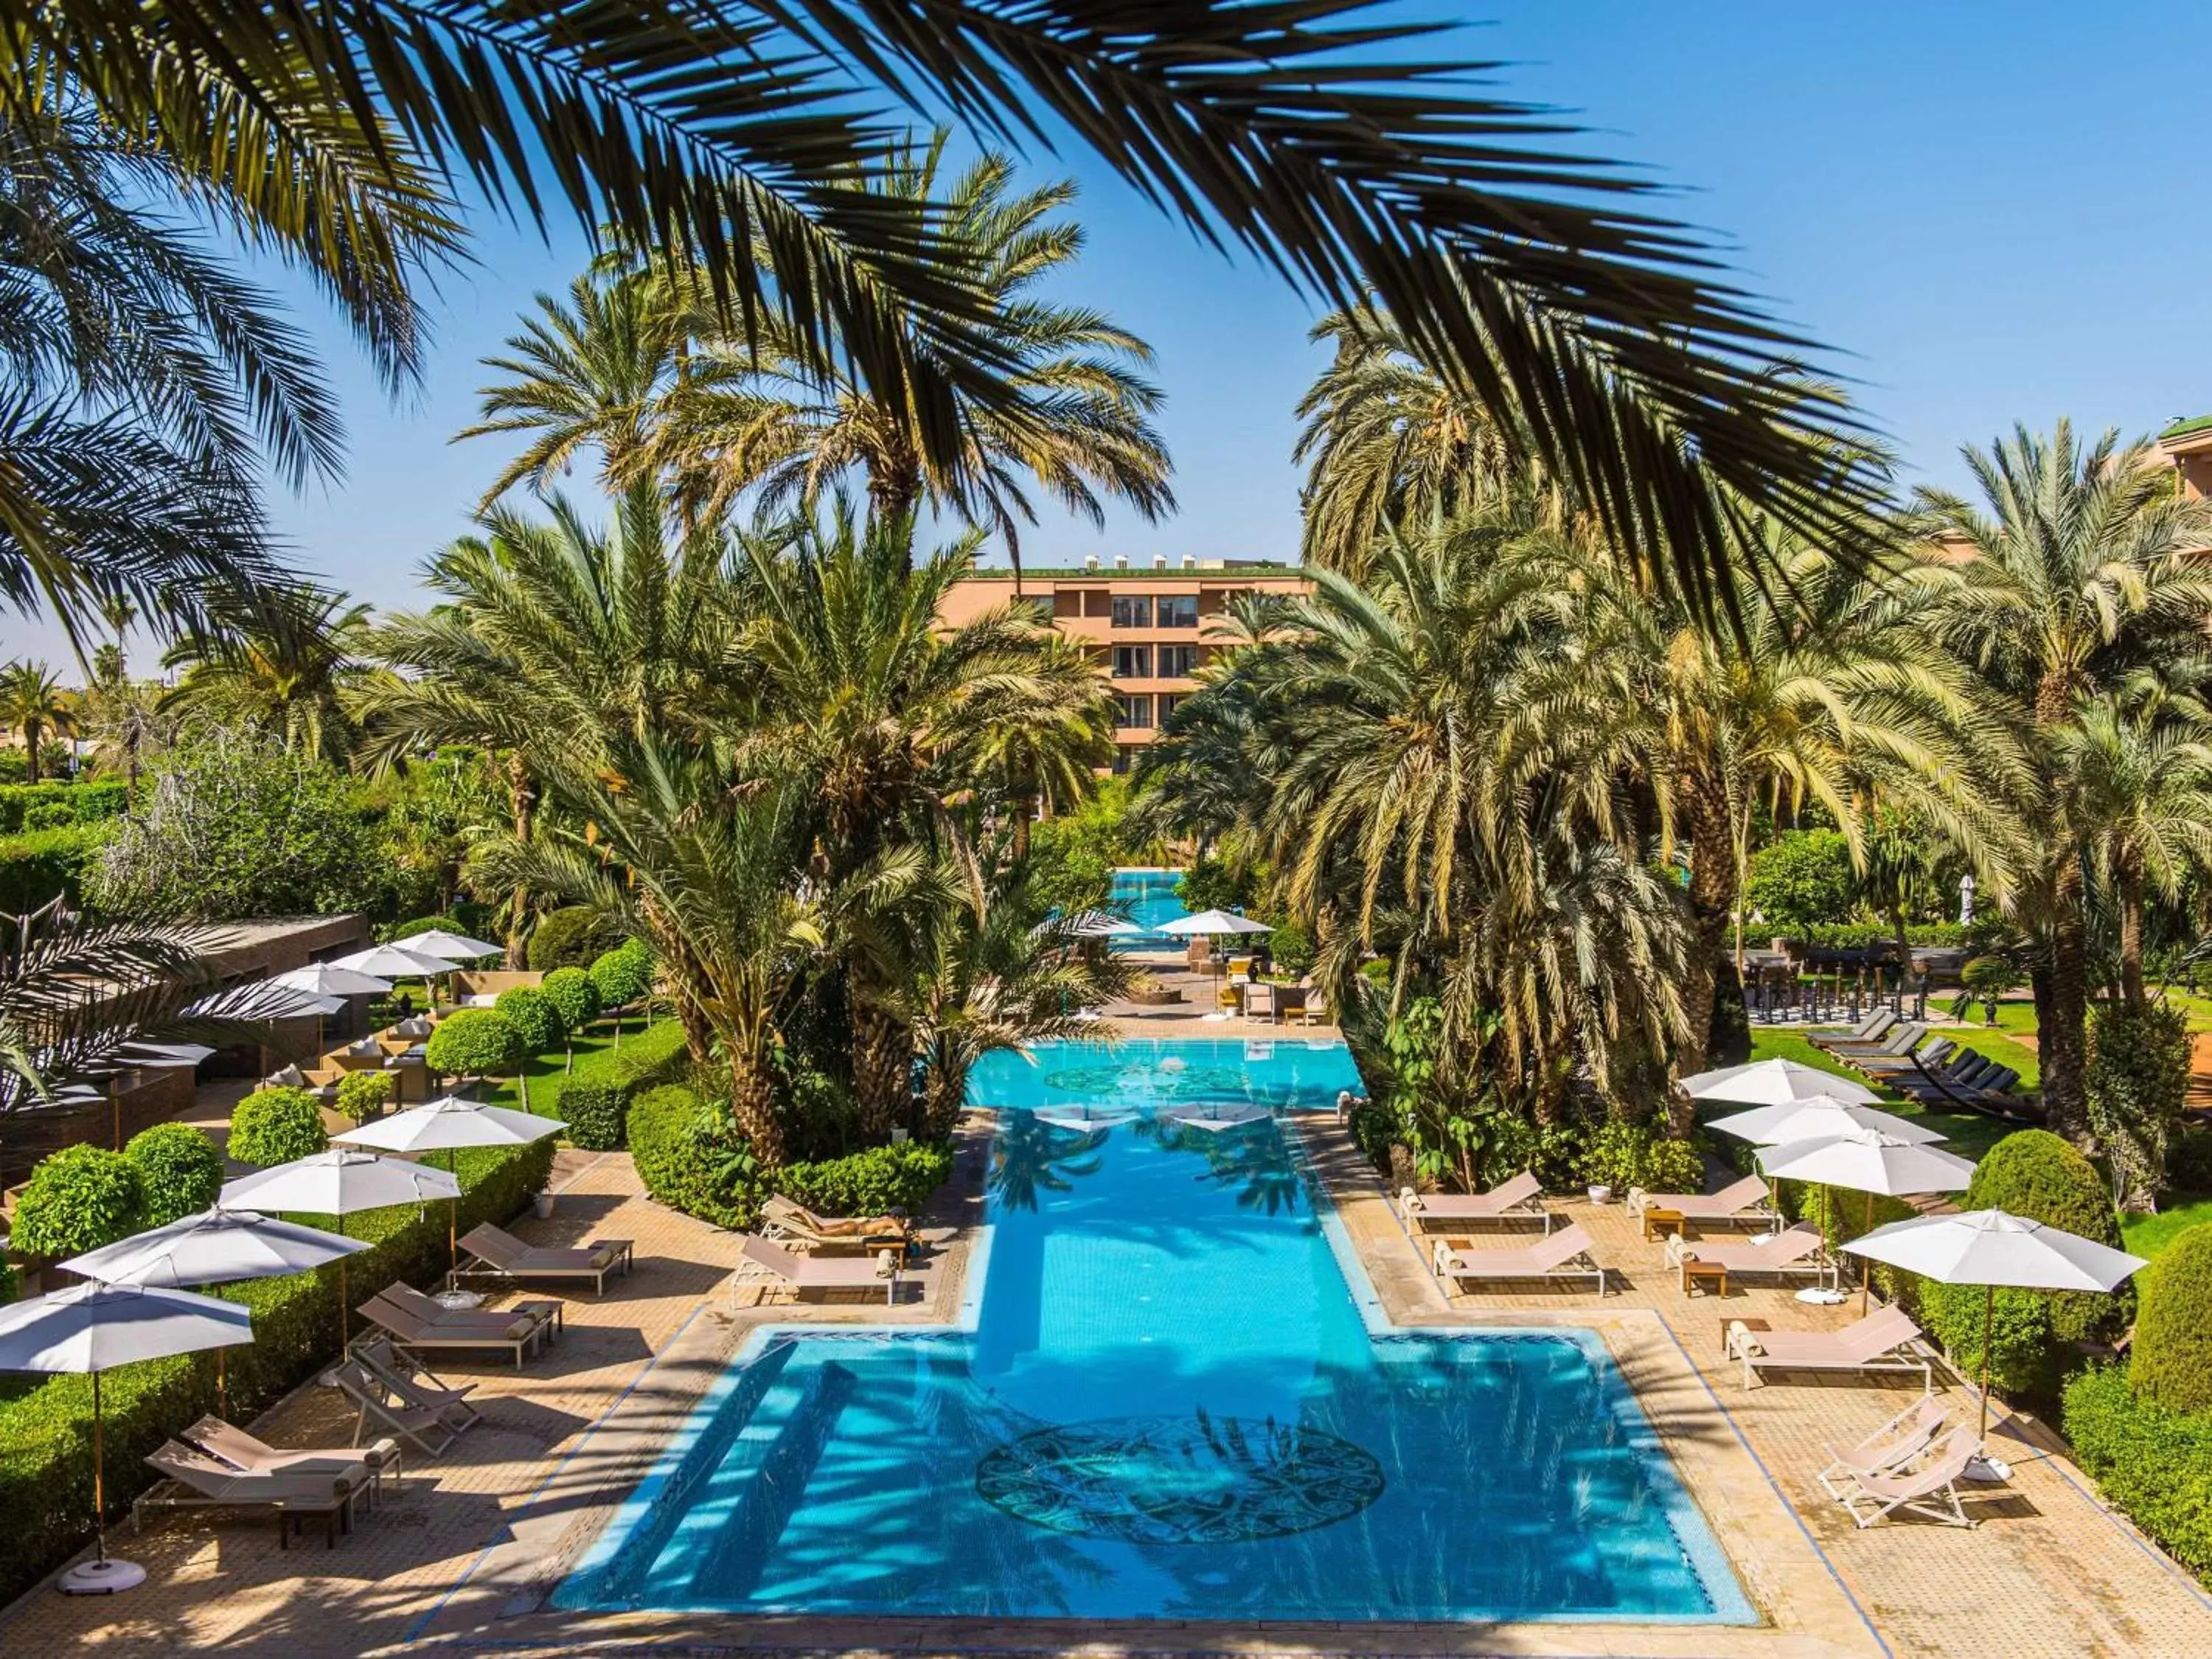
(1148, 898)
(1174, 1399)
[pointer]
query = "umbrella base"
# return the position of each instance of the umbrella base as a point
(101, 1578)
(1821, 1296)
(1992, 1470)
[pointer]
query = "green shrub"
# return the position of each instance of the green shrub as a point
(2150, 1460)
(179, 1172)
(1672, 1166)
(32, 806)
(1620, 1155)
(534, 1018)
(2138, 1082)
(689, 1158)
(2035, 1174)
(570, 938)
(573, 997)
(594, 1112)
(364, 1095)
(2188, 1161)
(1803, 880)
(46, 1431)
(79, 1199)
(275, 1126)
(49, 815)
(623, 975)
(1292, 949)
(1212, 883)
(2170, 1358)
(11, 1287)
(47, 864)
(868, 1183)
(476, 1042)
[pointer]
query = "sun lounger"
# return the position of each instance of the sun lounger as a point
(550, 1315)
(1520, 1199)
(1932, 1055)
(1899, 1040)
(801, 1274)
(518, 1332)
(1743, 1200)
(787, 1218)
(1889, 1447)
(196, 1482)
(1870, 1029)
(1886, 1340)
(428, 1416)
(494, 1253)
(381, 1459)
(1797, 1252)
(1932, 1491)
(1551, 1257)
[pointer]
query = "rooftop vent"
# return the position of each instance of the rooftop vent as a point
(1120, 561)
(1189, 561)
(1159, 561)
(1090, 561)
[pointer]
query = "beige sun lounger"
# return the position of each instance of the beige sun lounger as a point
(518, 1333)
(787, 1218)
(547, 1313)
(494, 1253)
(1520, 1199)
(1744, 1201)
(1549, 1258)
(380, 1459)
(413, 1383)
(380, 1398)
(1886, 1340)
(1932, 1491)
(196, 1482)
(1889, 1447)
(1797, 1251)
(801, 1274)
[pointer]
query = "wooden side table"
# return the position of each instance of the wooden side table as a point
(1695, 1273)
(1657, 1223)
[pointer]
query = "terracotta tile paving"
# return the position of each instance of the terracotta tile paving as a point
(460, 1561)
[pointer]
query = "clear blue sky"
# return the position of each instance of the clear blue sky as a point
(1992, 212)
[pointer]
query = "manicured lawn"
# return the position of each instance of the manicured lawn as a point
(2147, 1235)
(1968, 1134)
(595, 1055)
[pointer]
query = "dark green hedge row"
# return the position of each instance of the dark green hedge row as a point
(45, 1425)
(594, 1102)
(37, 866)
(2149, 1460)
(33, 805)
(871, 1183)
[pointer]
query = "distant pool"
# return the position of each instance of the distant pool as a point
(1148, 898)
(1174, 1400)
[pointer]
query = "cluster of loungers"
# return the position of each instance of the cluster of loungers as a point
(1936, 1071)
(799, 1250)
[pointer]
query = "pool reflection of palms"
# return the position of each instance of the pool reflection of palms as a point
(1032, 1157)
(1258, 1167)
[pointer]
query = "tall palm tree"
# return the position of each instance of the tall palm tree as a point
(1303, 134)
(2076, 569)
(32, 702)
(282, 663)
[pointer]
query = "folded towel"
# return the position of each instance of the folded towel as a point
(521, 1328)
(602, 1257)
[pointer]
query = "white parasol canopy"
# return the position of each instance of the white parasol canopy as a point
(451, 947)
(396, 961)
(328, 979)
(1819, 1118)
(1867, 1161)
(340, 1182)
(451, 1122)
(1773, 1083)
(90, 1328)
(1990, 1248)
(1212, 923)
(215, 1247)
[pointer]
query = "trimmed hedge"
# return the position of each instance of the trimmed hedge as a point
(868, 1183)
(36, 867)
(179, 1172)
(275, 1126)
(79, 1199)
(80, 803)
(594, 1112)
(476, 1042)
(2148, 1459)
(686, 1151)
(2171, 1359)
(570, 938)
(45, 1434)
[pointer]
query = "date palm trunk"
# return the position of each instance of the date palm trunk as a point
(882, 1050)
(1712, 903)
(752, 1109)
(2063, 1011)
(518, 809)
(2130, 886)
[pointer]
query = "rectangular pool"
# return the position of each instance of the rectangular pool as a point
(1169, 1405)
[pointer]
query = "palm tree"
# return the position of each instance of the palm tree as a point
(32, 702)
(2075, 570)
(711, 125)
(282, 663)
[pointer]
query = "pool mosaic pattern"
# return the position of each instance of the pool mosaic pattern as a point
(1170, 1405)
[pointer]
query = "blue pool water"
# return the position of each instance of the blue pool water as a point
(1148, 897)
(1174, 1400)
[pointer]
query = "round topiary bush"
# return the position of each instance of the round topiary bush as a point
(534, 1016)
(79, 1199)
(275, 1126)
(476, 1042)
(573, 996)
(179, 1171)
(364, 1095)
(570, 938)
(622, 976)
(2035, 1174)
(2170, 1358)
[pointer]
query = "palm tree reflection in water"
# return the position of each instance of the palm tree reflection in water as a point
(1032, 1157)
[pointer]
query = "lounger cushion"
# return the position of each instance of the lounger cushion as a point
(602, 1257)
(521, 1328)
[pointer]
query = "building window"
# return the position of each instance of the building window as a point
(1132, 711)
(1134, 610)
(1178, 662)
(1132, 662)
(1168, 702)
(1124, 755)
(1178, 611)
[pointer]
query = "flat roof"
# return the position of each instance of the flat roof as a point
(2195, 424)
(1214, 572)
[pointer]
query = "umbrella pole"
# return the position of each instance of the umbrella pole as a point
(345, 1335)
(1989, 1331)
(1866, 1263)
(99, 1489)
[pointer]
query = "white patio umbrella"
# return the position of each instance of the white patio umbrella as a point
(1212, 924)
(453, 947)
(1869, 1161)
(88, 1329)
(182, 1054)
(1990, 1248)
(1817, 1118)
(446, 1124)
(338, 1183)
(215, 1247)
(396, 961)
(329, 979)
(1772, 1083)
